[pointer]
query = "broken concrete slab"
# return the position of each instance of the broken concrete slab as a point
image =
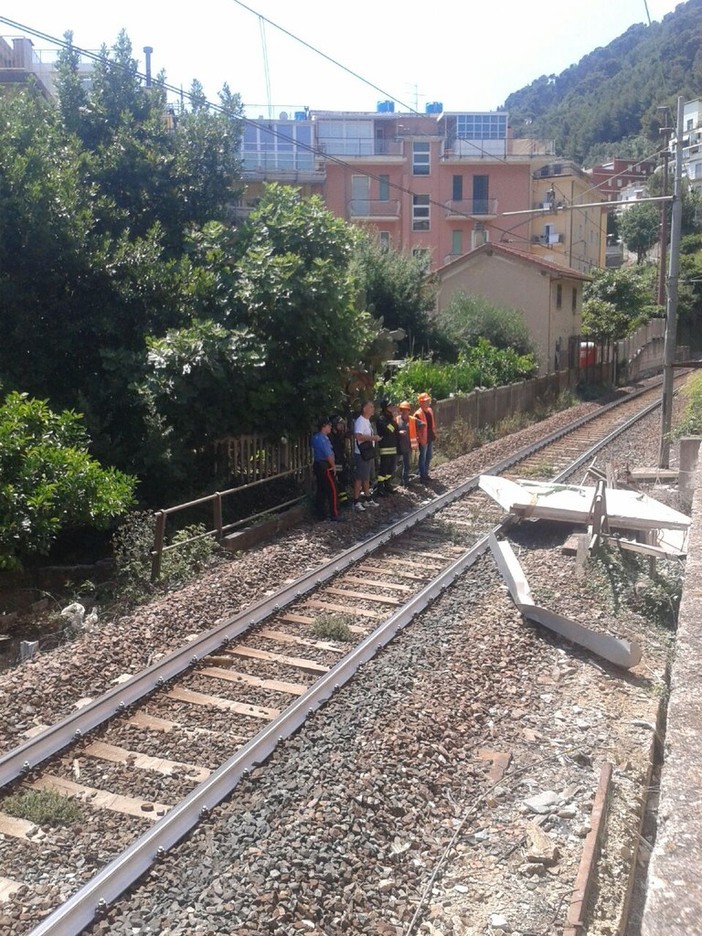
(622, 653)
(630, 510)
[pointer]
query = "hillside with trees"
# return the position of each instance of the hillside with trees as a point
(608, 102)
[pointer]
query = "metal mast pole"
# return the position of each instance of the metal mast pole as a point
(663, 243)
(672, 303)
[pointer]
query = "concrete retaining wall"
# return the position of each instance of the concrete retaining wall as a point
(674, 892)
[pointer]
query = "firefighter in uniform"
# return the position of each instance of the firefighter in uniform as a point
(387, 448)
(338, 438)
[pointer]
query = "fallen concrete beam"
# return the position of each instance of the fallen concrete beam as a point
(622, 653)
(652, 474)
(645, 549)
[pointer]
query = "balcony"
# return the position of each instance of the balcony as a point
(291, 166)
(456, 150)
(374, 209)
(548, 240)
(547, 205)
(471, 208)
(360, 147)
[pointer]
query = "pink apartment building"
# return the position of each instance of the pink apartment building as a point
(438, 183)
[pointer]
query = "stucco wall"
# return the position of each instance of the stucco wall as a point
(508, 282)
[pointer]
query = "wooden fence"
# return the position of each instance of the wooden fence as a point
(250, 458)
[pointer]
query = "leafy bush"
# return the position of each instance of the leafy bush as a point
(188, 559)
(48, 481)
(467, 319)
(616, 302)
(482, 365)
(132, 545)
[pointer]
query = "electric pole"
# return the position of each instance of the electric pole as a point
(663, 243)
(672, 298)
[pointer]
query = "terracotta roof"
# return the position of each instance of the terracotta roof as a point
(523, 256)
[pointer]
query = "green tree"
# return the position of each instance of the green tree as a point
(296, 294)
(639, 228)
(48, 481)
(206, 158)
(274, 327)
(105, 203)
(398, 292)
(616, 302)
(201, 384)
(150, 165)
(46, 228)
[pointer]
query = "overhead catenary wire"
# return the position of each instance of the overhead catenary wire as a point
(329, 58)
(266, 69)
(100, 57)
(401, 189)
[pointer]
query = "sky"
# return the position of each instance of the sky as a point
(471, 60)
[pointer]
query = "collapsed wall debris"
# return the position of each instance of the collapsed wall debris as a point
(660, 532)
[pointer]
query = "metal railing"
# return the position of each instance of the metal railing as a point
(254, 461)
(355, 147)
(457, 207)
(374, 208)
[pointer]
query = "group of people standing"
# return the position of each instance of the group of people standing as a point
(397, 433)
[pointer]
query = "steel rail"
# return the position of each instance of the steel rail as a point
(32, 752)
(94, 897)
(78, 911)
(606, 440)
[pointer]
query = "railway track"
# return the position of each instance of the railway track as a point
(143, 756)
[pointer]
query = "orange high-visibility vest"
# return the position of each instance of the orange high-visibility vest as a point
(412, 423)
(420, 416)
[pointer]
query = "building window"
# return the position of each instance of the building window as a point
(420, 159)
(456, 243)
(559, 296)
(420, 212)
(574, 301)
(457, 193)
(384, 239)
(481, 185)
(481, 126)
(360, 196)
(384, 188)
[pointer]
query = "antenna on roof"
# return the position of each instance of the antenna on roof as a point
(266, 70)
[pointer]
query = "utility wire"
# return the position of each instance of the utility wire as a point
(336, 160)
(327, 57)
(316, 151)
